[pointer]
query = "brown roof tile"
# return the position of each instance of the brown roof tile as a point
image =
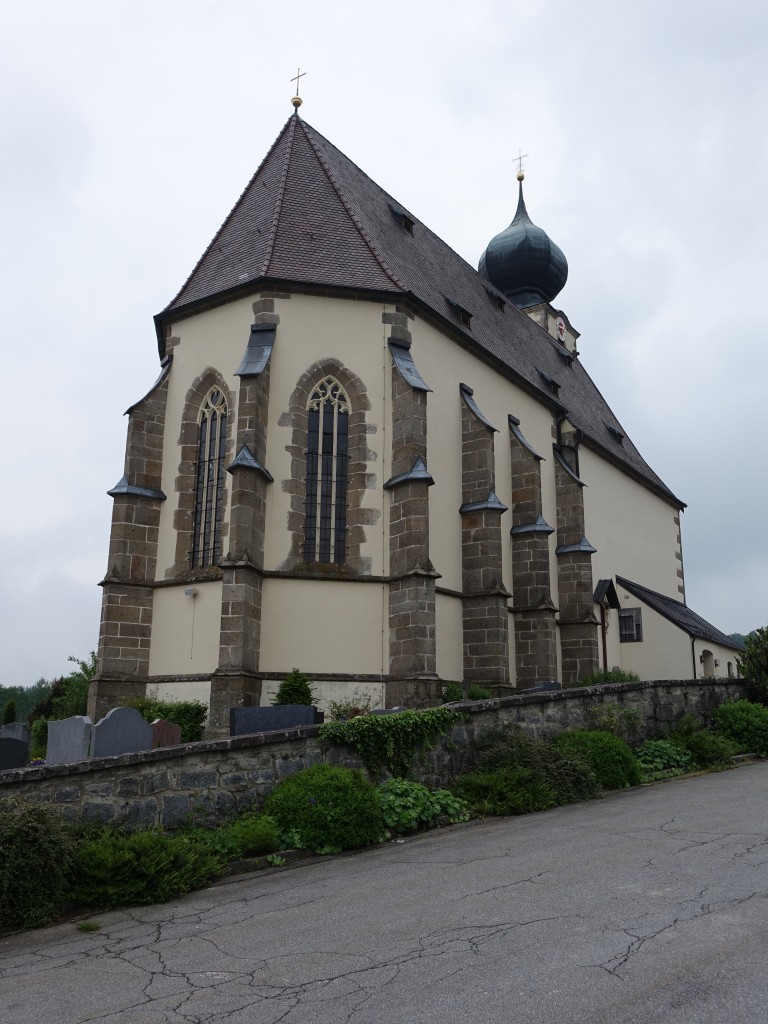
(310, 216)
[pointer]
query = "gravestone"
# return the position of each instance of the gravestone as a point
(13, 753)
(243, 721)
(16, 731)
(121, 731)
(69, 740)
(547, 686)
(388, 711)
(165, 734)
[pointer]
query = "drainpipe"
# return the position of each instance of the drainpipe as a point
(693, 654)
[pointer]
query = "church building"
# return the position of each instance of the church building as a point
(366, 459)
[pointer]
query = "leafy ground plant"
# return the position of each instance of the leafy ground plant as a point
(609, 675)
(506, 791)
(407, 806)
(327, 809)
(663, 759)
(610, 758)
(249, 835)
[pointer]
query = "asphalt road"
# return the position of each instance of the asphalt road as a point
(646, 906)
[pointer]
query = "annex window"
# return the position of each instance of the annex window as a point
(325, 520)
(630, 625)
(209, 487)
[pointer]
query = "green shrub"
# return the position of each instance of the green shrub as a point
(663, 759)
(39, 741)
(506, 791)
(452, 692)
(610, 716)
(609, 675)
(189, 714)
(36, 854)
(327, 809)
(753, 663)
(9, 713)
(708, 749)
(295, 689)
(610, 758)
(389, 742)
(408, 805)
(250, 835)
(745, 723)
(115, 869)
(475, 692)
(358, 703)
(569, 776)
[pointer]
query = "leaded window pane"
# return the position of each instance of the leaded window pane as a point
(325, 521)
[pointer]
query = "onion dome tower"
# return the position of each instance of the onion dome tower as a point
(523, 262)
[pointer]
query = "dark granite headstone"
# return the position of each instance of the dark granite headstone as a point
(547, 686)
(69, 740)
(13, 753)
(15, 731)
(243, 721)
(165, 734)
(121, 731)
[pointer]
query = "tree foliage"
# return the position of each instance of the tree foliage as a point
(754, 664)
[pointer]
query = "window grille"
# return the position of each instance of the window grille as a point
(325, 522)
(209, 489)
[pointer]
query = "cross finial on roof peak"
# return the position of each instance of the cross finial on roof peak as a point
(519, 161)
(297, 101)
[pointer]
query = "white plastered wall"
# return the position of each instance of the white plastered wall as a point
(185, 629)
(633, 530)
(323, 628)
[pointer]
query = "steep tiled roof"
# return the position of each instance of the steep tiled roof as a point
(310, 216)
(680, 615)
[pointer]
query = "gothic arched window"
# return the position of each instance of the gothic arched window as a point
(209, 487)
(325, 519)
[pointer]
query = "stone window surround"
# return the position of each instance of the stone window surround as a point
(184, 513)
(359, 479)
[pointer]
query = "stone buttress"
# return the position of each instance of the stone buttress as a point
(126, 607)
(236, 682)
(412, 638)
(534, 610)
(577, 623)
(485, 612)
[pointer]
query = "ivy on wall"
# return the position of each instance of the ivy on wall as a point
(389, 742)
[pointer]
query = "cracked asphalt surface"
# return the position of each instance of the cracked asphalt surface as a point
(646, 906)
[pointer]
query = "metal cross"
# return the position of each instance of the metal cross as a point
(519, 160)
(299, 74)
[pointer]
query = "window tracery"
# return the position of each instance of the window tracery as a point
(325, 520)
(209, 486)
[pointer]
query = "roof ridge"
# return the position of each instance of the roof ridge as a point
(280, 196)
(348, 207)
(230, 215)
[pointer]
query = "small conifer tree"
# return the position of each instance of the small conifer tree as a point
(294, 690)
(9, 715)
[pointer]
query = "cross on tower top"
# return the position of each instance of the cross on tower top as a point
(296, 101)
(519, 161)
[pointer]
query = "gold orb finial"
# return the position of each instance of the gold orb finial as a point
(297, 101)
(519, 161)
(520, 175)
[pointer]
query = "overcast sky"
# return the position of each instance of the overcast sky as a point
(129, 129)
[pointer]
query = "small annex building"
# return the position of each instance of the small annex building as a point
(366, 459)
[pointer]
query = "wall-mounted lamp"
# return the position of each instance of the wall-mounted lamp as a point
(717, 663)
(190, 592)
(701, 658)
